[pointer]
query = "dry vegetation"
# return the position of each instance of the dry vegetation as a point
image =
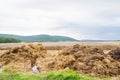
(94, 59)
(88, 60)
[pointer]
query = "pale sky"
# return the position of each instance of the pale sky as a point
(80, 19)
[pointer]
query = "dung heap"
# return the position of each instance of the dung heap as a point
(88, 60)
(23, 57)
(115, 54)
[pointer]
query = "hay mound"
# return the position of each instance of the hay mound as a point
(23, 55)
(87, 60)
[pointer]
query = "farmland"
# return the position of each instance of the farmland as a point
(90, 59)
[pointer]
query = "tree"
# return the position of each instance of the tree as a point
(9, 40)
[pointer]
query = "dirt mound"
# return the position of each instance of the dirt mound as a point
(24, 54)
(88, 60)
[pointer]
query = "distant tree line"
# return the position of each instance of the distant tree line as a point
(9, 40)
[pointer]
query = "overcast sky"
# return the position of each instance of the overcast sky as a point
(80, 19)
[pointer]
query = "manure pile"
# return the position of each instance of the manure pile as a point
(83, 59)
(88, 60)
(23, 57)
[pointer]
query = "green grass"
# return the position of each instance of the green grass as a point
(62, 75)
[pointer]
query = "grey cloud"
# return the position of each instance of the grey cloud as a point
(92, 31)
(109, 14)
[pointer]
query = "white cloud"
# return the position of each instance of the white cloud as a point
(59, 17)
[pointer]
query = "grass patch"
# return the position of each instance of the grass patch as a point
(62, 75)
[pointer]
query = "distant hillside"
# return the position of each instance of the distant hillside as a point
(9, 40)
(99, 40)
(39, 38)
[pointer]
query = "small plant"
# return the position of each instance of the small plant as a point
(8, 70)
(62, 75)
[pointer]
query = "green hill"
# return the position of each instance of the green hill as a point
(8, 40)
(39, 38)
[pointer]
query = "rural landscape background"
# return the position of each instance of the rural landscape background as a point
(59, 40)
